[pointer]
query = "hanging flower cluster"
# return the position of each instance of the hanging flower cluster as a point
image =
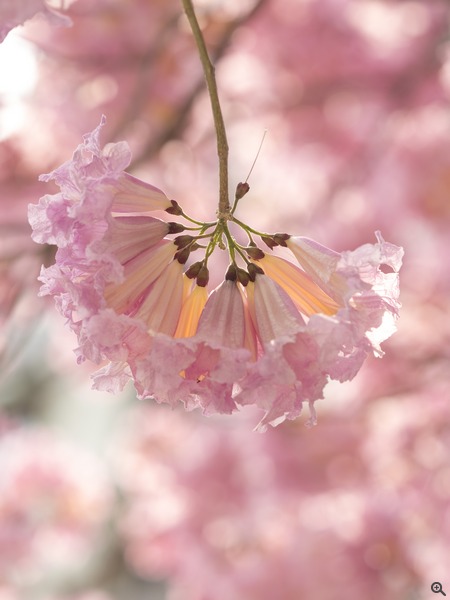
(271, 334)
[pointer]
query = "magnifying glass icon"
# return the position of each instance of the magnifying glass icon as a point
(436, 587)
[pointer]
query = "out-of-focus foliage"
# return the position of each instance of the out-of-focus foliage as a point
(355, 97)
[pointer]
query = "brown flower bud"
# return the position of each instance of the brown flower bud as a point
(231, 274)
(182, 255)
(241, 190)
(254, 270)
(175, 227)
(183, 240)
(175, 209)
(193, 270)
(254, 252)
(243, 277)
(203, 276)
(269, 241)
(281, 238)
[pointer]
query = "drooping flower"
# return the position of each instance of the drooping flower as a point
(271, 334)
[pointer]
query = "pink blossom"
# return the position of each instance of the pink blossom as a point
(87, 595)
(270, 334)
(48, 513)
(11, 593)
(318, 513)
(18, 11)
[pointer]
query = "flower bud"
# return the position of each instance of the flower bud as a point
(183, 240)
(280, 239)
(269, 241)
(194, 269)
(203, 276)
(175, 209)
(243, 277)
(255, 252)
(175, 227)
(241, 190)
(231, 274)
(182, 255)
(254, 270)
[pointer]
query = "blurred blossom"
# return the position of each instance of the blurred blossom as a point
(17, 12)
(19, 265)
(346, 510)
(11, 594)
(54, 501)
(90, 595)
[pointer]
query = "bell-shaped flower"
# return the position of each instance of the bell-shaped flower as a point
(289, 371)
(200, 370)
(357, 280)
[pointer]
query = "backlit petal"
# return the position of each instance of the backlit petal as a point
(306, 294)
(222, 320)
(273, 312)
(133, 195)
(161, 307)
(190, 312)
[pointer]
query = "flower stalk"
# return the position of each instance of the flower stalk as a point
(221, 135)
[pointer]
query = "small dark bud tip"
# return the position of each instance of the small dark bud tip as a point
(183, 240)
(175, 209)
(253, 271)
(243, 277)
(231, 274)
(241, 190)
(281, 238)
(254, 252)
(175, 227)
(193, 270)
(269, 241)
(203, 277)
(182, 255)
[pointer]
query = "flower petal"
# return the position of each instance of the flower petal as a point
(273, 312)
(133, 195)
(129, 236)
(161, 307)
(190, 312)
(307, 295)
(222, 321)
(139, 273)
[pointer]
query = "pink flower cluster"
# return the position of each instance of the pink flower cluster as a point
(54, 501)
(7, 593)
(322, 513)
(271, 334)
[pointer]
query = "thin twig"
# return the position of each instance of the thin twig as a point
(175, 128)
(221, 135)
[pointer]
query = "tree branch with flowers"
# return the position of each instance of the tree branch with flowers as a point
(271, 334)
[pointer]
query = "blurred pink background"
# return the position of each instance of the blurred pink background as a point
(108, 498)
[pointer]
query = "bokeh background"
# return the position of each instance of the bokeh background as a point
(110, 498)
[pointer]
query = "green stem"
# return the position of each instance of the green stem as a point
(222, 143)
(231, 244)
(201, 223)
(247, 228)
